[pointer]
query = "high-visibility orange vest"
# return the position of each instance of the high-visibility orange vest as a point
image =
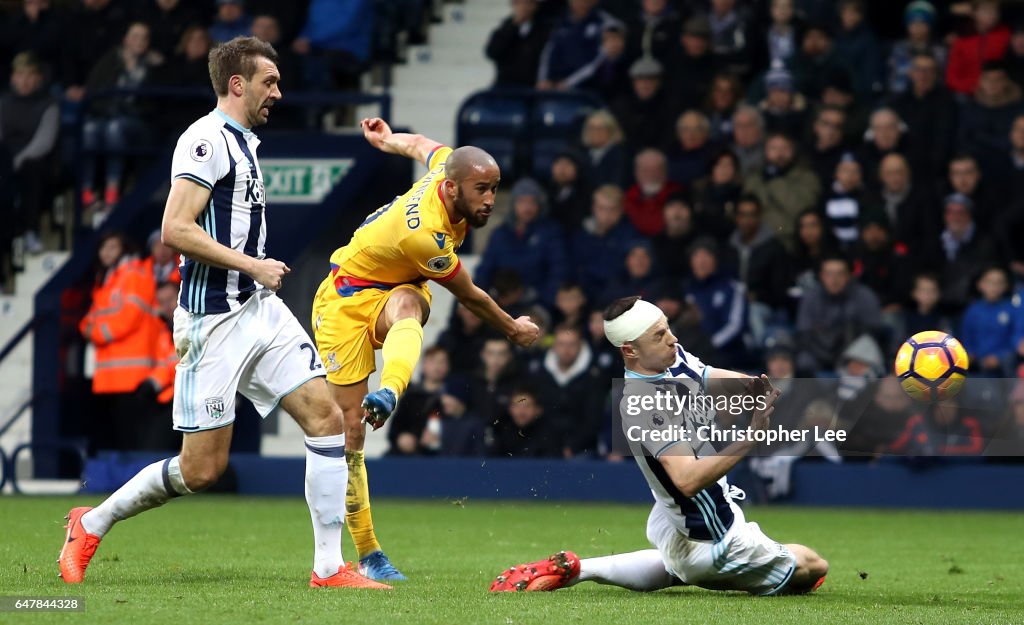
(162, 374)
(120, 324)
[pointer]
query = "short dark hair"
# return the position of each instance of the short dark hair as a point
(963, 156)
(750, 198)
(781, 134)
(434, 349)
(525, 388)
(835, 257)
(237, 58)
(619, 307)
(928, 275)
(567, 326)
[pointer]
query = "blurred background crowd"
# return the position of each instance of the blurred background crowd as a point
(799, 184)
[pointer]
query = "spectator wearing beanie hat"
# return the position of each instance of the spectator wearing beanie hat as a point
(783, 108)
(528, 243)
(844, 204)
(919, 17)
(959, 253)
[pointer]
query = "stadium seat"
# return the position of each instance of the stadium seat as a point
(492, 114)
(561, 114)
(543, 154)
(504, 151)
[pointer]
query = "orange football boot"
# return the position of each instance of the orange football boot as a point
(549, 574)
(79, 547)
(346, 577)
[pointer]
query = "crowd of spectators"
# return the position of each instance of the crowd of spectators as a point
(59, 56)
(798, 185)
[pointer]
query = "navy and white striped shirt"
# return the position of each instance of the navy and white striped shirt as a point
(709, 514)
(219, 154)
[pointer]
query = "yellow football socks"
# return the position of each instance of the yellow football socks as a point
(401, 351)
(357, 506)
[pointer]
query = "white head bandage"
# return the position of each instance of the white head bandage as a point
(631, 324)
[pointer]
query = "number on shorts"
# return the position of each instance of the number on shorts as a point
(314, 362)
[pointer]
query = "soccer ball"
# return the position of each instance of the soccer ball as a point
(931, 365)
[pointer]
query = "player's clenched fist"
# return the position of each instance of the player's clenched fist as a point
(526, 332)
(269, 273)
(376, 130)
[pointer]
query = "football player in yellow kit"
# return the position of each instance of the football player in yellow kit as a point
(377, 296)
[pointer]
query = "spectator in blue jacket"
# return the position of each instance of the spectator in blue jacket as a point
(599, 248)
(722, 303)
(528, 243)
(988, 326)
(573, 52)
(231, 21)
(339, 33)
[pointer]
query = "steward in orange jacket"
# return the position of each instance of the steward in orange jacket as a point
(123, 326)
(166, 357)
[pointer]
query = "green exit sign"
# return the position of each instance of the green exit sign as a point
(302, 180)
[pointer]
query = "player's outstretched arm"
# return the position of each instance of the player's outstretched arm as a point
(521, 331)
(379, 134)
(692, 475)
(180, 231)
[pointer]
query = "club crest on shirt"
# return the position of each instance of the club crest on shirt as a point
(201, 151)
(215, 407)
(439, 263)
(657, 420)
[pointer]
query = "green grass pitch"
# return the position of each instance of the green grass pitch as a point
(214, 560)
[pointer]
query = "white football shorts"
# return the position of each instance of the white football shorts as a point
(259, 350)
(745, 559)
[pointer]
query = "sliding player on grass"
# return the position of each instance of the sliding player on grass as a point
(700, 534)
(376, 296)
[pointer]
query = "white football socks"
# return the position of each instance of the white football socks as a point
(638, 570)
(326, 481)
(150, 488)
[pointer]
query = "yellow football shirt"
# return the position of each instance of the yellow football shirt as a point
(408, 240)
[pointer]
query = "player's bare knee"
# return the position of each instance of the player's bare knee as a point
(323, 418)
(201, 473)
